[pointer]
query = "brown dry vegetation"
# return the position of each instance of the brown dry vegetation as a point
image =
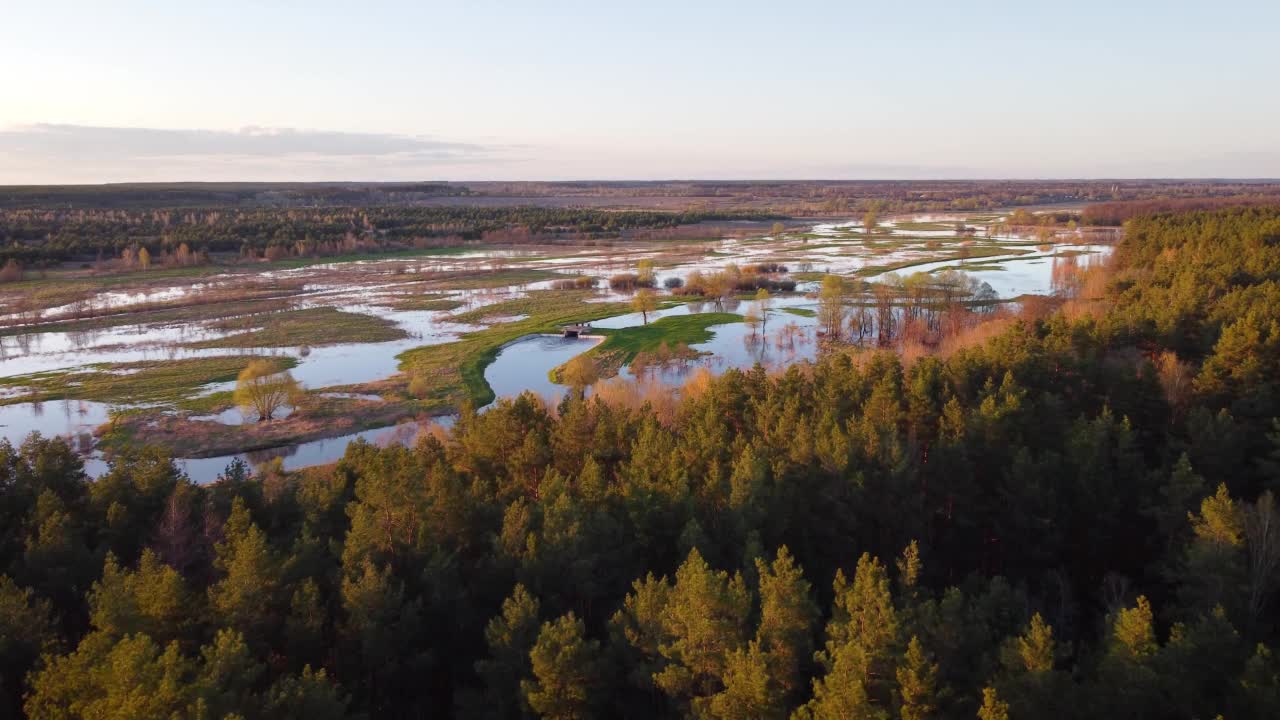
(314, 417)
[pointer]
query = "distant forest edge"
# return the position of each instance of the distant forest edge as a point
(785, 196)
(43, 236)
(45, 225)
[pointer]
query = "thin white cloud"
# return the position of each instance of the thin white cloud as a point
(53, 140)
(50, 152)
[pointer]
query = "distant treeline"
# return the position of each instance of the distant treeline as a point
(1114, 214)
(40, 236)
(791, 197)
(173, 195)
(801, 197)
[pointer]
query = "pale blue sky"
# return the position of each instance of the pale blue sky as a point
(387, 90)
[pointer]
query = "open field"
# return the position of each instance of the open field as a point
(299, 328)
(133, 383)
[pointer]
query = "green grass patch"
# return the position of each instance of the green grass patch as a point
(425, 302)
(972, 253)
(211, 403)
(541, 302)
(454, 372)
(671, 331)
(974, 267)
(78, 278)
(918, 226)
(290, 263)
(153, 381)
(503, 278)
(309, 326)
(183, 314)
(802, 312)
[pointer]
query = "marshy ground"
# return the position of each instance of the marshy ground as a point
(387, 339)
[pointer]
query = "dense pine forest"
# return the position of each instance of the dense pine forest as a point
(1073, 519)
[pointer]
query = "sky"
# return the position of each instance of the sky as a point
(132, 90)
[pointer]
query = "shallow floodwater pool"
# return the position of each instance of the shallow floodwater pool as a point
(73, 419)
(526, 363)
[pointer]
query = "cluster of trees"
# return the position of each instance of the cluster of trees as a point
(1022, 217)
(643, 277)
(734, 279)
(55, 234)
(581, 282)
(897, 310)
(1074, 519)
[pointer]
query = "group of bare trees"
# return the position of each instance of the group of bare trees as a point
(919, 307)
(733, 279)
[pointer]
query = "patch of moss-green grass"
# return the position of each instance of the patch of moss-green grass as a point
(135, 383)
(436, 304)
(670, 331)
(308, 326)
(165, 316)
(972, 253)
(802, 312)
(452, 373)
(501, 278)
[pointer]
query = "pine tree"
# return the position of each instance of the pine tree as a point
(749, 691)
(304, 628)
(310, 695)
(1030, 682)
(993, 708)
(1127, 677)
(1215, 569)
(704, 620)
(865, 618)
(510, 637)
(152, 600)
(113, 679)
(246, 597)
(227, 676)
(26, 631)
(858, 652)
(1260, 684)
(1177, 498)
(382, 634)
(787, 614)
(1035, 648)
(917, 683)
(842, 693)
(566, 671)
(909, 567)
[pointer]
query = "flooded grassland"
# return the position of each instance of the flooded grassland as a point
(385, 346)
